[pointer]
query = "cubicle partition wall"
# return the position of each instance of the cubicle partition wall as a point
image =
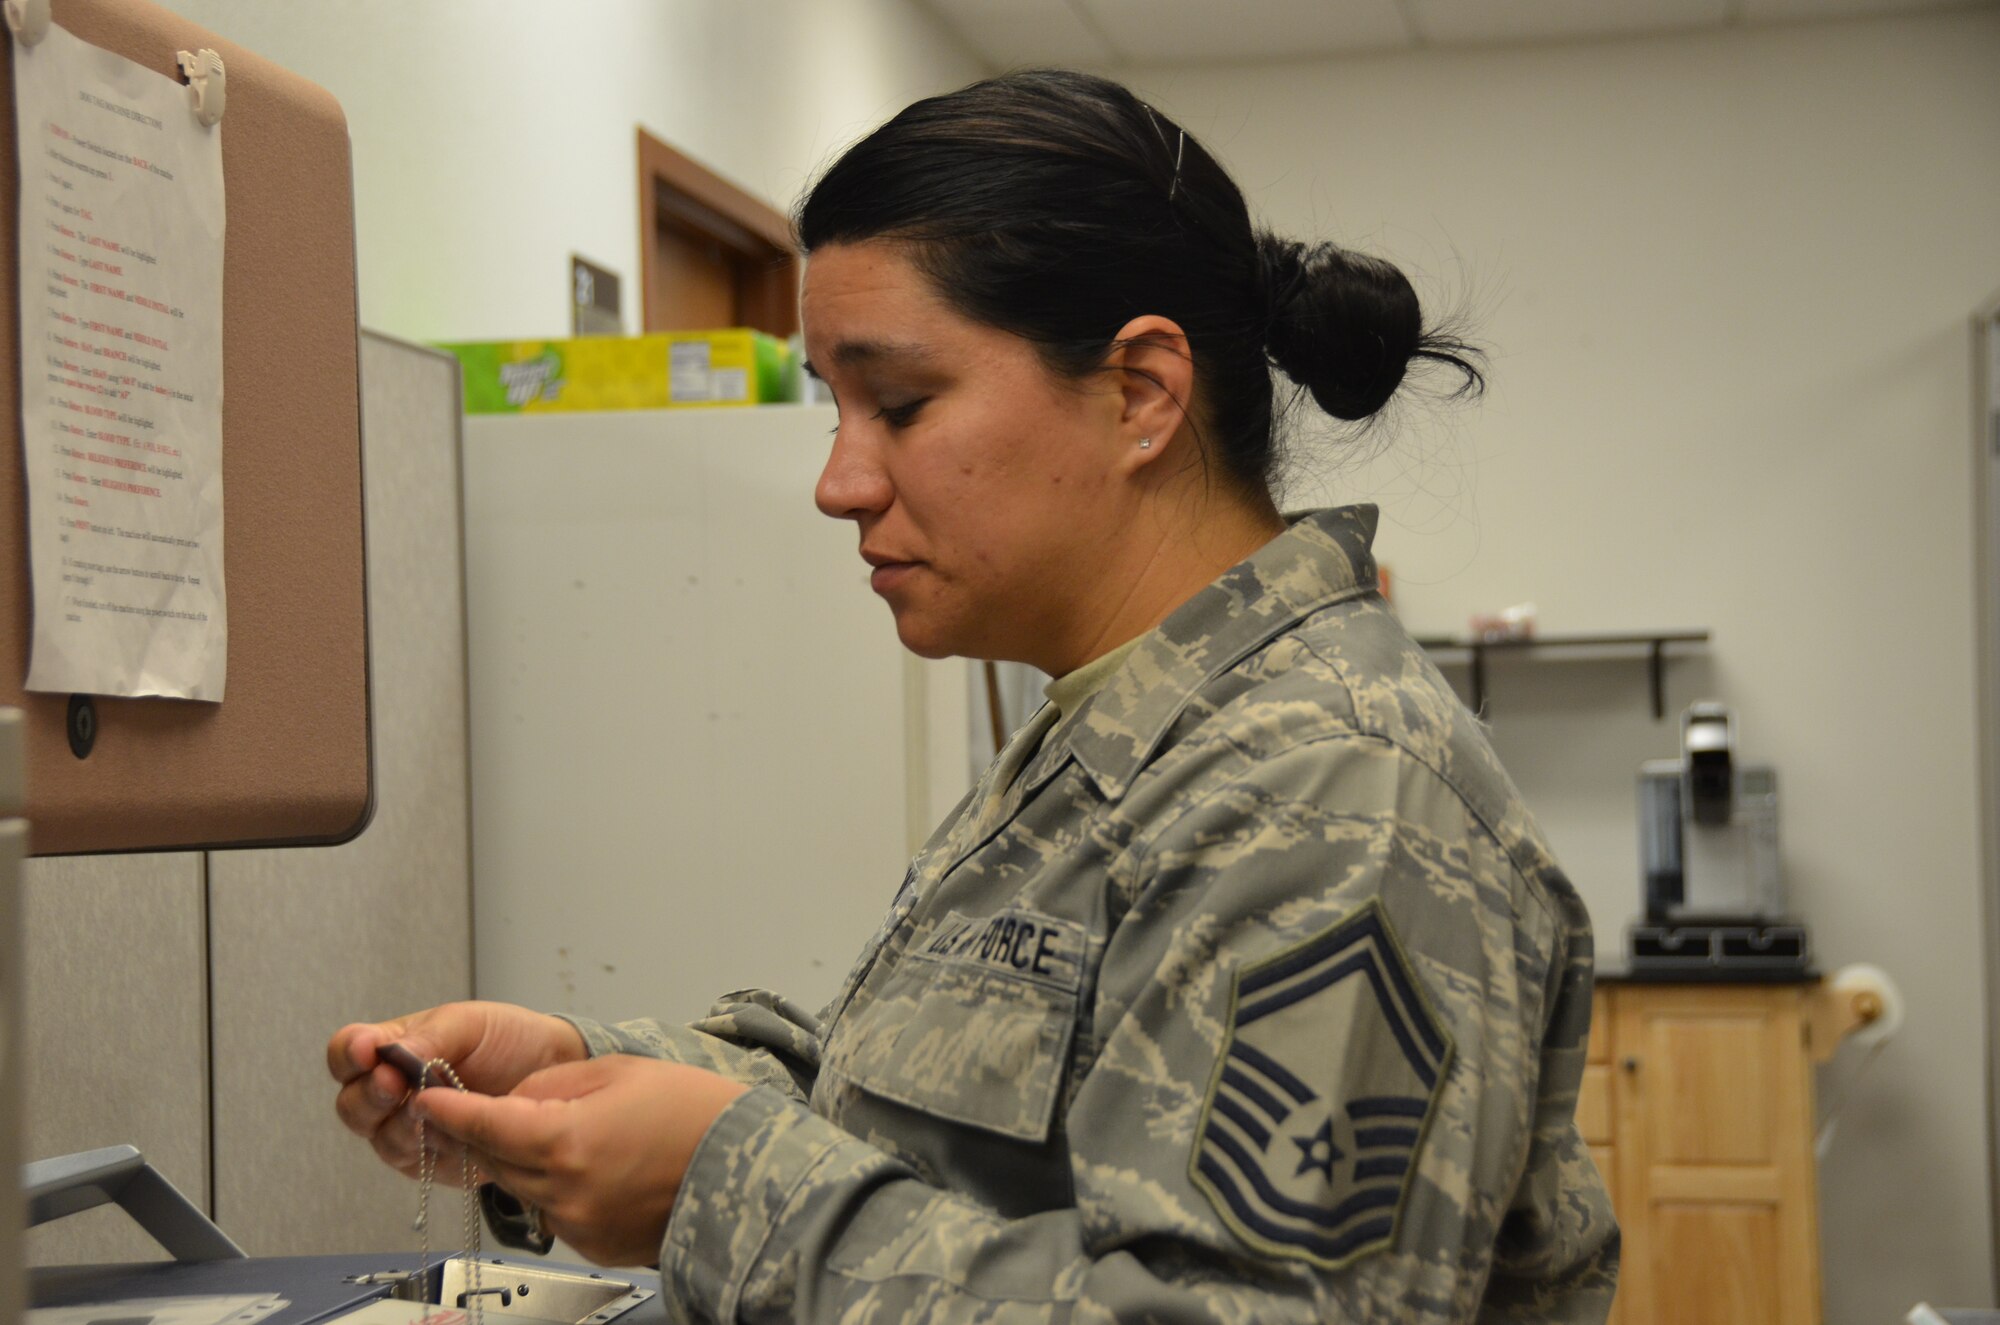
(13, 846)
(284, 757)
(303, 941)
(701, 753)
(177, 1000)
(1986, 491)
(181, 1002)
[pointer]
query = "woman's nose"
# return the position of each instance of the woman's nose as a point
(852, 484)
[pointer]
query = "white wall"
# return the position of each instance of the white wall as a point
(1726, 279)
(683, 697)
(493, 138)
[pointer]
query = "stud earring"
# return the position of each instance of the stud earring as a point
(1145, 443)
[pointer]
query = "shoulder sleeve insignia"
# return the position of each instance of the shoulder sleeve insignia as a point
(1322, 1096)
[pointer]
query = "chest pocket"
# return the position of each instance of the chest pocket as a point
(972, 1025)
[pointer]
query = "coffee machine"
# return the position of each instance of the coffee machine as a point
(1708, 845)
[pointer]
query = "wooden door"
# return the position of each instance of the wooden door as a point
(691, 283)
(1714, 1157)
(710, 254)
(1595, 1117)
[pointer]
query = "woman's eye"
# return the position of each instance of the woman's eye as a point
(901, 416)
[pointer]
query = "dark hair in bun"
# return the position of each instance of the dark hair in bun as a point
(1058, 206)
(1346, 326)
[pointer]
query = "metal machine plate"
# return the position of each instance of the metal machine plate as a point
(322, 1288)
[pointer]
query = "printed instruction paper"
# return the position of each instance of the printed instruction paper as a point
(241, 1310)
(121, 216)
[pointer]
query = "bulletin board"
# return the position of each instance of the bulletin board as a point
(285, 757)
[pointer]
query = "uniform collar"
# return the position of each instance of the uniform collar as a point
(1321, 558)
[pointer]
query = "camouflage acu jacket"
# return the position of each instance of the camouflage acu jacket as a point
(1248, 994)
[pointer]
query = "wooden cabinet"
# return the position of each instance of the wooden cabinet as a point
(1697, 1105)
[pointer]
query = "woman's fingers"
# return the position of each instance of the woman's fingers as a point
(582, 1138)
(351, 1050)
(600, 1145)
(372, 1092)
(490, 1047)
(513, 1131)
(364, 1103)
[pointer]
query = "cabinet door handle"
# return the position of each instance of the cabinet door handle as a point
(1632, 1063)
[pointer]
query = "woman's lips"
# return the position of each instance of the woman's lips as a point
(889, 574)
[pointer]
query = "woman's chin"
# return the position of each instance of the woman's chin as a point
(922, 644)
(925, 636)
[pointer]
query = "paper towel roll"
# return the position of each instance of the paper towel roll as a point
(1864, 978)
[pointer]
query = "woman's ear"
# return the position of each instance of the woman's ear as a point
(1154, 374)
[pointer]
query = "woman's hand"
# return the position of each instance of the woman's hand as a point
(492, 1046)
(601, 1146)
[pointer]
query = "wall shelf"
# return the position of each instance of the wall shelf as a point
(1651, 645)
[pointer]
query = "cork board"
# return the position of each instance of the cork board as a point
(285, 758)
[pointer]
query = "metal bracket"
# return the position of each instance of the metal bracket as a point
(120, 1175)
(1478, 651)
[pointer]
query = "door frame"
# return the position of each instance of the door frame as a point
(1986, 542)
(674, 186)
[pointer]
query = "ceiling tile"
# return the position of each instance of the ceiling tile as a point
(1024, 9)
(1451, 22)
(1011, 33)
(1191, 31)
(1763, 10)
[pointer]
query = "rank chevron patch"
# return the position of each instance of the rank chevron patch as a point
(1322, 1095)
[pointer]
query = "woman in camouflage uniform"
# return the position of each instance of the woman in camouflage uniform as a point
(1242, 987)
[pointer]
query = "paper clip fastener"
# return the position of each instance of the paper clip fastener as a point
(29, 19)
(202, 71)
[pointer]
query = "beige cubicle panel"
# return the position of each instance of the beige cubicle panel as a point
(115, 1040)
(697, 763)
(285, 757)
(181, 1003)
(13, 847)
(1986, 543)
(304, 941)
